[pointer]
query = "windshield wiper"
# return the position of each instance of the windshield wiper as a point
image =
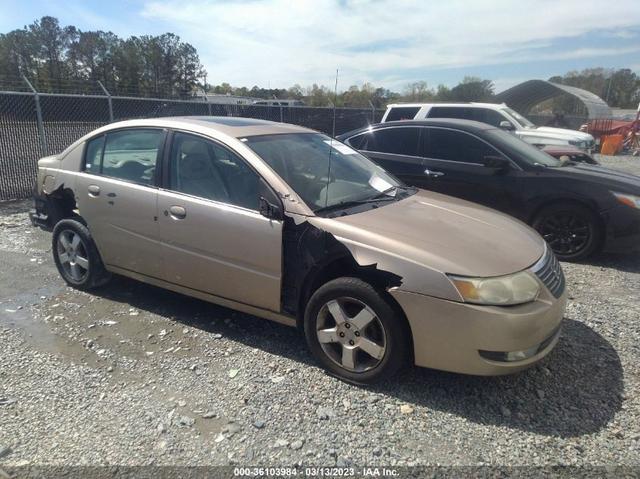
(350, 203)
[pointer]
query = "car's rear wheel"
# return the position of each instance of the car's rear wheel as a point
(76, 255)
(355, 332)
(572, 231)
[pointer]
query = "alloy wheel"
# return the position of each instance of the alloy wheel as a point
(351, 334)
(566, 233)
(73, 255)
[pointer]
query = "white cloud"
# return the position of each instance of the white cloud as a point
(285, 41)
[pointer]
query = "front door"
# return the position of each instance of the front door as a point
(454, 164)
(116, 194)
(213, 237)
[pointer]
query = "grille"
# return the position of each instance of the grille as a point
(549, 271)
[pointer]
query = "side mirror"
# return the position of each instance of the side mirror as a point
(496, 162)
(269, 210)
(506, 125)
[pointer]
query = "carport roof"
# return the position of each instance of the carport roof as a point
(526, 95)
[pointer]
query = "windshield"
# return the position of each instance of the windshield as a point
(519, 118)
(302, 160)
(523, 150)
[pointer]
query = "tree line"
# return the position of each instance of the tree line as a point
(53, 57)
(367, 95)
(619, 88)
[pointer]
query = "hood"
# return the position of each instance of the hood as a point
(439, 233)
(547, 135)
(580, 135)
(613, 179)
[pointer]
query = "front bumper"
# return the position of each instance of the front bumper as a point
(450, 336)
(623, 229)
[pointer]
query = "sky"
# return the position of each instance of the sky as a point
(389, 43)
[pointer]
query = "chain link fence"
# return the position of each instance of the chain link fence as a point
(33, 125)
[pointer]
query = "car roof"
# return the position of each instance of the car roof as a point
(471, 104)
(464, 125)
(236, 127)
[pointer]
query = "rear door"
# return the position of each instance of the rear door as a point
(214, 239)
(454, 163)
(395, 148)
(117, 196)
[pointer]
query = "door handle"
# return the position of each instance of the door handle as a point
(94, 190)
(176, 212)
(433, 174)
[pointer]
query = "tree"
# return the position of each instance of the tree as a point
(472, 89)
(443, 93)
(50, 42)
(619, 88)
(319, 95)
(418, 92)
(51, 55)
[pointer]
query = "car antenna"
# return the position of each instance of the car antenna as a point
(333, 135)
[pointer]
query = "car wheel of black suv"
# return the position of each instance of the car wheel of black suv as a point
(572, 231)
(76, 255)
(354, 332)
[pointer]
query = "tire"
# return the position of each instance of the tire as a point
(572, 231)
(349, 309)
(76, 255)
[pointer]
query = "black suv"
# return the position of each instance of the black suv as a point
(579, 209)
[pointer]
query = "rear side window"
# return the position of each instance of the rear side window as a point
(402, 113)
(452, 145)
(93, 155)
(131, 155)
(399, 141)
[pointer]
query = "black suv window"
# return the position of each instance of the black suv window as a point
(402, 113)
(401, 140)
(205, 169)
(129, 155)
(452, 145)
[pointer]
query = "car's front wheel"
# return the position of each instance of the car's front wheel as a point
(354, 332)
(76, 255)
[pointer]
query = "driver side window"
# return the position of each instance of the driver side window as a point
(202, 168)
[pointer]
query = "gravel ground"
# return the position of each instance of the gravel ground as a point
(135, 375)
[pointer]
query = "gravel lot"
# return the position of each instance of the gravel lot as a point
(135, 375)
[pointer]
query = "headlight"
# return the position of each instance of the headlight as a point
(507, 290)
(629, 200)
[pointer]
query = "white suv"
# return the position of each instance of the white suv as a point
(499, 115)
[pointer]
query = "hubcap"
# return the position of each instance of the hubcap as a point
(565, 233)
(351, 334)
(73, 256)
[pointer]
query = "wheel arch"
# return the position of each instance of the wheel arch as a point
(60, 204)
(561, 200)
(346, 266)
(590, 205)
